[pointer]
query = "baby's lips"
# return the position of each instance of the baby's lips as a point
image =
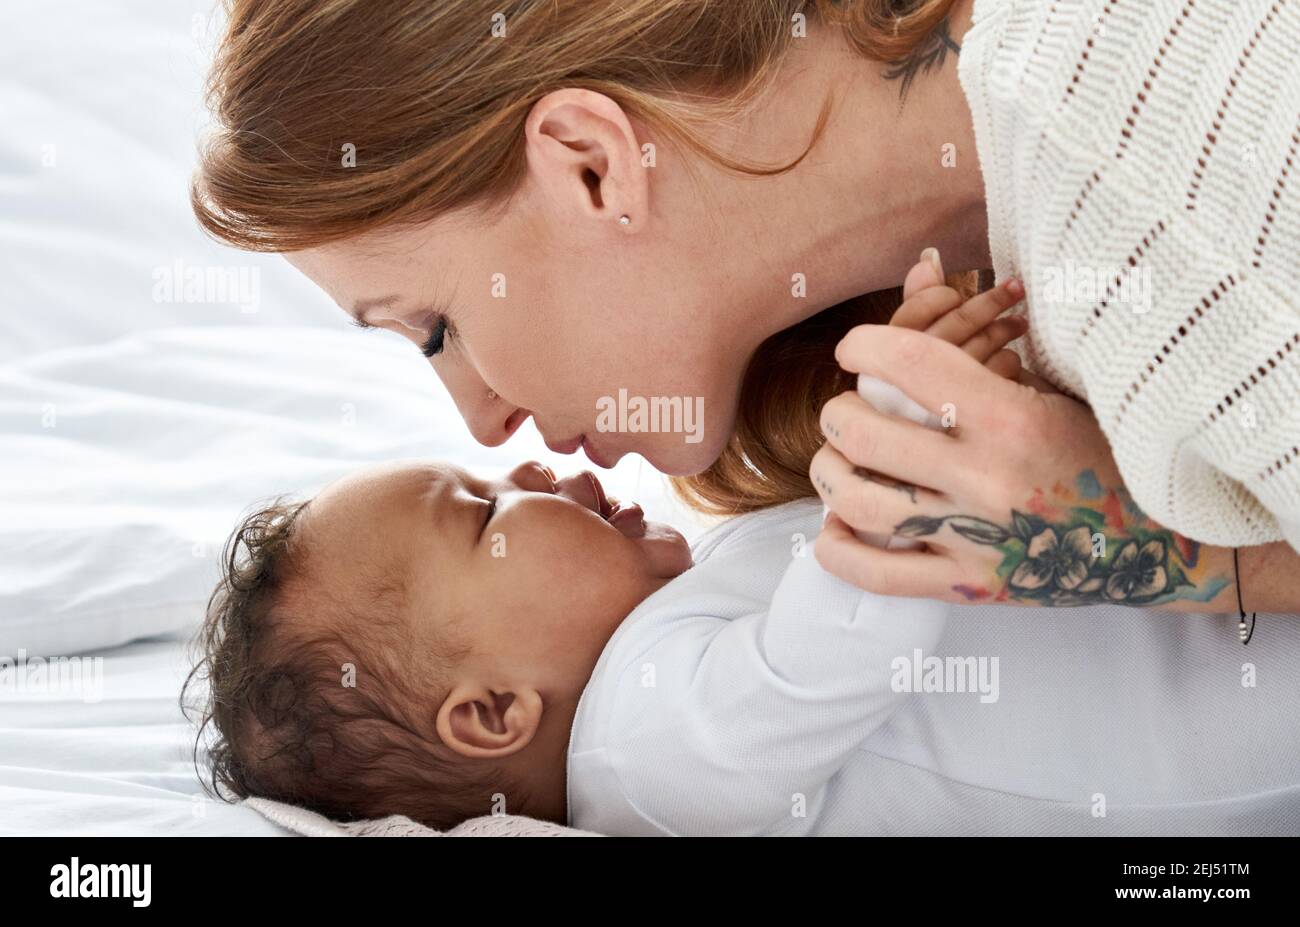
(629, 520)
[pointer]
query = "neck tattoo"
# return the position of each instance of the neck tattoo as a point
(928, 56)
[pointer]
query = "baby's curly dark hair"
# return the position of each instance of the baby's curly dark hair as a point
(307, 699)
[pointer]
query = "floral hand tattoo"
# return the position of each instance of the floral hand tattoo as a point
(1063, 553)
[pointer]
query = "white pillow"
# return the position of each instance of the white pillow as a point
(103, 108)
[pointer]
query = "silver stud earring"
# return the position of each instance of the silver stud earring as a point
(624, 220)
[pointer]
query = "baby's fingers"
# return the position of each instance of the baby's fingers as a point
(924, 309)
(995, 336)
(970, 318)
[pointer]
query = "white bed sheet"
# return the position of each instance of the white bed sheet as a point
(112, 758)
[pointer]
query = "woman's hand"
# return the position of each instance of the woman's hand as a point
(1018, 500)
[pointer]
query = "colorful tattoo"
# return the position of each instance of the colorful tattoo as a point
(1080, 545)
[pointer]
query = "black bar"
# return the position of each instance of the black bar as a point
(203, 875)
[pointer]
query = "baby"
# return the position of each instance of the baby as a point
(415, 639)
(421, 641)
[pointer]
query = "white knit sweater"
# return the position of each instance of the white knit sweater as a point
(1141, 160)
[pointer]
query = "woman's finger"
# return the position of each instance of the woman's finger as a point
(1005, 363)
(892, 447)
(974, 315)
(867, 500)
(915, 573)
(934, 373)
(995, 336)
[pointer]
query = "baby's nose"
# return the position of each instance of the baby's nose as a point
(584, 489)
(533, 476)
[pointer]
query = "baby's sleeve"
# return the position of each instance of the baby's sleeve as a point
(735, 726)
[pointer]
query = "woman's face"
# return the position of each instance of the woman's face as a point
(617, 337)
(607, 349)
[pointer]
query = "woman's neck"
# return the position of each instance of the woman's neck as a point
(890, 176)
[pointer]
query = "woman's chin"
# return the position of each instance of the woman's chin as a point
(681, 459)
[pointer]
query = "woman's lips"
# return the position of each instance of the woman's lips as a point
(565, 447)
(581, 441)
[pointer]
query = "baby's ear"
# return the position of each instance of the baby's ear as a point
(927, 272)
(478, 722)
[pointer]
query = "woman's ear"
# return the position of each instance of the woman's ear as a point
(584, 154)
(477, 722)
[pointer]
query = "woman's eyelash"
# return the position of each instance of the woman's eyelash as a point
(433, 344)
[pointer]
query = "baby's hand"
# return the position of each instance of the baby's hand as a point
(971, 324)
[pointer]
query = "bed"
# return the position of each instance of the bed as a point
(122, 764)
(140, 417)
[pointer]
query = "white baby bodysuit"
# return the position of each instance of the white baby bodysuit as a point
(757, 694)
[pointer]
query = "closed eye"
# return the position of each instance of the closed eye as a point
(434, 343)
(491, 510)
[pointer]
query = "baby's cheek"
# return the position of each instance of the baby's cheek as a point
(618, 576)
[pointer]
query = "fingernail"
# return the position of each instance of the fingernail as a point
(1015, 287)
(932, 255)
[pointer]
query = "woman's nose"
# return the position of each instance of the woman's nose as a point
(495, 426)
(532, 476)
(490, 419)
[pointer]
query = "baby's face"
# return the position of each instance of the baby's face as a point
(531, 573)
